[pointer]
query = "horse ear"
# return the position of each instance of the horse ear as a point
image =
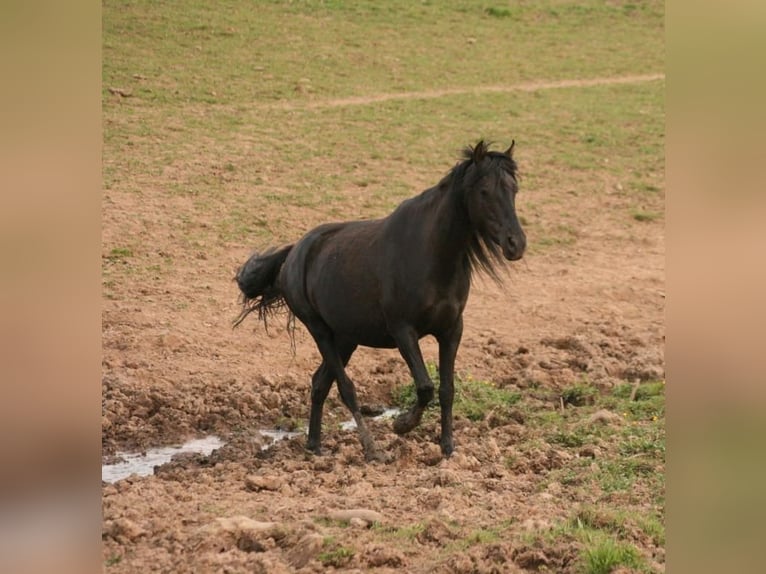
(509, 151)
(479, 152)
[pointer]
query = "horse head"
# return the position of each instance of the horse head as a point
(490, 187)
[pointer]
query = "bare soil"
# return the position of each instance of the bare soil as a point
(173, 369)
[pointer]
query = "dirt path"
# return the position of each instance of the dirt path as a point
(432, 94)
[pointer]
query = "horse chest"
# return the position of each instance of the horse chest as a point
(439, 312)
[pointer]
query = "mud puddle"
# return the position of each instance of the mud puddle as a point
(143, 463)
(386, 414)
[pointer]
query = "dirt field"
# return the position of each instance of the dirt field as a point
(568, 478)
(169, 374)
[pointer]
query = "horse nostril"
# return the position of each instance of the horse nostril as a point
(517, 244)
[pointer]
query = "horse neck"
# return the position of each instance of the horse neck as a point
(452, 230)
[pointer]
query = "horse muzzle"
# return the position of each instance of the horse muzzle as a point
(513, 247)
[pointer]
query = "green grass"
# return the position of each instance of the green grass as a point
(473, 399)
(338, 556)
(606, 555)
(646, 215)
(579, 394)
(407, 533)
(221, 55)
(205, 130)
(603, 538)
(118, 253)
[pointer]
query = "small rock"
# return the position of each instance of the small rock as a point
(124, 530)
(445, 477)
(604, 417)
(364, 514)
(237, 532)
(557, 458)
(257, 483)
(270, 399)
(432, 454)
(590, 451)
(535, 524)
(376, 556)
(531, 559)
(493, 451)
(358, 522)
(436, 532)
(465, 462)
(306, 548)
(431, 499)
(554, 488)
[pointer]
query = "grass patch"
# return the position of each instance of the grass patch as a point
(480, 536)
(601, 538)
(579, 394)
(474, 399)
(118, 253)
(329, 522)
(646, 215)
(606, 554)
(337, 557)
(620, 474)
(648, 404)
(408, 532)
(498, 12)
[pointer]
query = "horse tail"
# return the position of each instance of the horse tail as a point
(258, 280)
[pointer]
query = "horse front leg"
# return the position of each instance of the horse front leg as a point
(407, 342)
(448, 345)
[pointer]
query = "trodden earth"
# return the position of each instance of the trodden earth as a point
(580, 321)
(559, 417)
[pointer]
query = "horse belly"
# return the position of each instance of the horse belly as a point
(355, 316)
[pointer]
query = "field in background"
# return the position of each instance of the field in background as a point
(234, 125)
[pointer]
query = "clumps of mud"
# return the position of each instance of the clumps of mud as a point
(602, 355)
(136, 416)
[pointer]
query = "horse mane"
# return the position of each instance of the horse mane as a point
(484, 255)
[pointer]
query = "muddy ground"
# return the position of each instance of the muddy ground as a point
(173, 369)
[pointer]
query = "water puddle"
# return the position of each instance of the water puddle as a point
(276, 435)
(386, 414)
(143, 463)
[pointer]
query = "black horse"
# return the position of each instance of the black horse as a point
(389, 282)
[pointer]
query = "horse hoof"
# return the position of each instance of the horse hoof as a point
(313, 449)
(404, 423)
(447, 450)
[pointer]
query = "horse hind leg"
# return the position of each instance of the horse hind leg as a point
(348, 396)
(320, 387)
(321, 383)
(336, 361)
